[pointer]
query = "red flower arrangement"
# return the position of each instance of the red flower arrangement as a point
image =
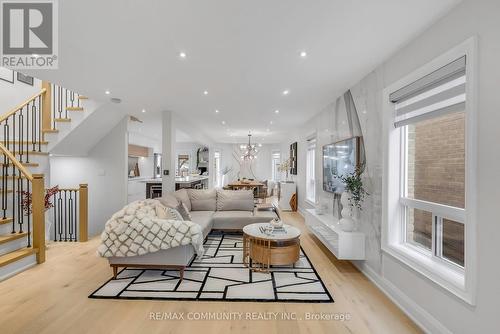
(27, 200)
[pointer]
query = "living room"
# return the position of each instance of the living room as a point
(282, 167)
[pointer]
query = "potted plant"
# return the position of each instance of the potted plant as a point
(27, 201)
(285, 167)
(351, 199)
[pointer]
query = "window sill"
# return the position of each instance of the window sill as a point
(308, 201)
(449, 278)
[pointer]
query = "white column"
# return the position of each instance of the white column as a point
(168, 151)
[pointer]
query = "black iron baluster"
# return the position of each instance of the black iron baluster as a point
(13, 197)
(77, 197)
(70, 222)
(20, 205)
(27, 131)
(59, 218)
(39, 128)
(60, 102)
(66, 103)
(65, 217)
(55, 217)
(78, 100)
(53, 106)
(20, 146)
(33, 126)
(28, 215)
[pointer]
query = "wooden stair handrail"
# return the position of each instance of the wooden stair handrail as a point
(16, 162)
(13, 111)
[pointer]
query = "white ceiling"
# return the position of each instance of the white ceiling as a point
(244, 53)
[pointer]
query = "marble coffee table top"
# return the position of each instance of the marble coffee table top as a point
(256, 230)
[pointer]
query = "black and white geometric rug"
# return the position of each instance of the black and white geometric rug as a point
(220, 276)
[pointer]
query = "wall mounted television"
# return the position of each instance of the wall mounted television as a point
(340, 158)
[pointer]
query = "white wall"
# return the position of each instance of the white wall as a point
(105, 171)
(434, 308)
(261, 168)
(11, 95)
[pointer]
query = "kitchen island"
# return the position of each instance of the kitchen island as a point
(154, 185)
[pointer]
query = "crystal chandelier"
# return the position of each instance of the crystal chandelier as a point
(249, 151)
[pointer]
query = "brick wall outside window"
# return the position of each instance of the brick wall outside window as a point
(436, 173)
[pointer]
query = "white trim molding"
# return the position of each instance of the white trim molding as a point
(459, 281)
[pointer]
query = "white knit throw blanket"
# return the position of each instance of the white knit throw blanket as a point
(136, 230)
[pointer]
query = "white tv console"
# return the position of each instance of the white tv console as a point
(344, 245)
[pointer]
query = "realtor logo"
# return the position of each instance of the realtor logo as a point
(29, 34)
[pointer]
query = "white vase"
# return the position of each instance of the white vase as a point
(347, 222)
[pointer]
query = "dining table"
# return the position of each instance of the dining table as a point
(256, 186)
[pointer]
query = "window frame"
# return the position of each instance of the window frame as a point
(311, 169)
(275, 175)
(455, 279)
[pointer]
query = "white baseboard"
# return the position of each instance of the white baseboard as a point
(421, 317)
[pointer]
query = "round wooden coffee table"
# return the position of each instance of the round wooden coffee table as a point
(261, 250)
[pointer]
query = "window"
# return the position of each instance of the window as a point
(275, 164)
(429, 205)
(310, 171)
(217, 170)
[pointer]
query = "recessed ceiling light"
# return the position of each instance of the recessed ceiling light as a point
(286, 92)
(260, 145)
(143, 110)
(303, 54)
(223, 122)
(205, 92)
(182, 55)
(107, 92)
(276, 111)
(216, 111)
(271, 122)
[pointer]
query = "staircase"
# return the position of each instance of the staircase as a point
(27, 134)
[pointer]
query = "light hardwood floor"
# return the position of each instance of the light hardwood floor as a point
(52, 298)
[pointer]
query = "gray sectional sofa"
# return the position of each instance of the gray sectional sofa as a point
(212, 210)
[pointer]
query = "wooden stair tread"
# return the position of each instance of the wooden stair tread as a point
(63, 119)
(11, 236)
(50, 131)
(6, 220)
(81, 97)
(74, 108)
(30, 153)
(25, 164)
(43, 142)
(10, 177)
(9, 191)
(16, 255)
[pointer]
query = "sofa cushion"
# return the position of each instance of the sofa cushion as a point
(232, 220)
(204, 219)
(182, 196)
(169, 200)
(235, 200)
(203, 200)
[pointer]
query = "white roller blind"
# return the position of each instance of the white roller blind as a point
(438, 93)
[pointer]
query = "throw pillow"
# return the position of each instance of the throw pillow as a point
(183, 211)
(169, 200)
(203, 200)
(182, 196)
(164, 212)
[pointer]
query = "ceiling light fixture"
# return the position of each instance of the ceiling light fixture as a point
(205, 92)
(182, 55)
(223, 122)
(286, 92)
(216, 111)
(107, 92)
(143, 110)
(276, 111)
(249, 151)
(303, 54)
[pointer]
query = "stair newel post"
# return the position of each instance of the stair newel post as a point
(84, 212)
(38, 202)
(47, 106)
